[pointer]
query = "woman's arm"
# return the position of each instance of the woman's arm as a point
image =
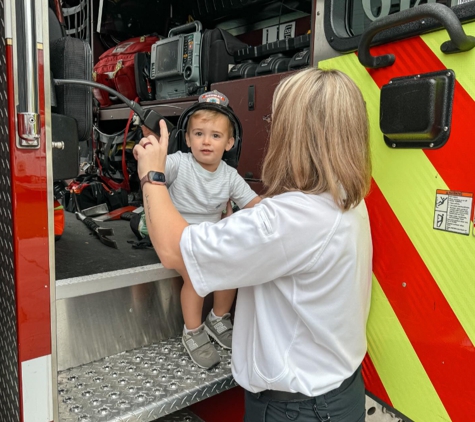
(164, 223)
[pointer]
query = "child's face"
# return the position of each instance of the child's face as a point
(208, 138)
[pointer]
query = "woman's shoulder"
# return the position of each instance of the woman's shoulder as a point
(300, 199)
(321, 204)
(308, 215)
(298, 207)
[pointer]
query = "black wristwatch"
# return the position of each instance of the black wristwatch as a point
(153, 177)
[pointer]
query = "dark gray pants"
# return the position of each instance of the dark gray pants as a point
(344, 404)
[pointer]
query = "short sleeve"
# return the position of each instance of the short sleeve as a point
(172, 166)
(241, 193)
(242, 250)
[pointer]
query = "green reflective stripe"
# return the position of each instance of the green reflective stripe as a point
(397, 364)
(408, 181)
(463, 64)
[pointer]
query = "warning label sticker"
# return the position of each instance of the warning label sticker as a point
(452, 211)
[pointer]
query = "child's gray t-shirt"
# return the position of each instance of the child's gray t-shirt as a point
(200, 195)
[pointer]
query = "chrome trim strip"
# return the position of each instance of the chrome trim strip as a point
(321, 47)
(80, 286)
(8, 19)
(43, 35)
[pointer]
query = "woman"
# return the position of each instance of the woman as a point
(301, 258)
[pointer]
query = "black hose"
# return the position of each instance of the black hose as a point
(137, 108)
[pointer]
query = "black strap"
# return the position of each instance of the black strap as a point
(145, 243)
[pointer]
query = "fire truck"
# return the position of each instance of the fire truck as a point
(92, 333)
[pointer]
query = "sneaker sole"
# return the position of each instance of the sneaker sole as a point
(191, 357)
(210, 332)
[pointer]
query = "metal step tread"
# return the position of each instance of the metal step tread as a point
(139, 385)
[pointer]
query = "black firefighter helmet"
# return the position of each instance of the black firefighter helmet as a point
(217, 101)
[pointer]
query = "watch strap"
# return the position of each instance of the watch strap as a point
(147, 179)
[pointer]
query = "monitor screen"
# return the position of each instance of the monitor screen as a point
(168, 57)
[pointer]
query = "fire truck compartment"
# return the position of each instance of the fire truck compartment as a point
(119, 324)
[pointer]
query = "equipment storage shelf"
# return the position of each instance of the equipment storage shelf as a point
(165, 108)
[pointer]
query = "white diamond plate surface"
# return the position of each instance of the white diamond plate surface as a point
(140, 385)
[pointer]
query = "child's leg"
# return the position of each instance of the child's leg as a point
(191, 305)
(195, 338)
(222, 301)
(218, 322)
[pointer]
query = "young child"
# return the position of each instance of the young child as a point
(200, 184)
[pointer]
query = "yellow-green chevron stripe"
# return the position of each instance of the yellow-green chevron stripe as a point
(397, 364)
(408, 180)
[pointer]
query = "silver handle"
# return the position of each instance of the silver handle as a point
(29, 128)
(194, 26)
(30, 50)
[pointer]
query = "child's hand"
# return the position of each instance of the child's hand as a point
(228, 211)
(151, 153)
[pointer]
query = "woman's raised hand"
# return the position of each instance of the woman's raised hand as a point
(151, 151)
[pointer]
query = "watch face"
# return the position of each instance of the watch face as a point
(156, 176)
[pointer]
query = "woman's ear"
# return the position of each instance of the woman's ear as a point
(229, 144)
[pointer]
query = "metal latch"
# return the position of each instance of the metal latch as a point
(29, 130)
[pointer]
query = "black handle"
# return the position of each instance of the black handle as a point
(152, 119)
(459, 41)
(91, 224)
(101, 232)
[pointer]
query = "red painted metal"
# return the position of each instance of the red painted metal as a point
(422, 309)
(433, 329)
(227, 406)
(30, 229)
(30, 225)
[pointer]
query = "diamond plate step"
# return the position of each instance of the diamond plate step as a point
(140, 385)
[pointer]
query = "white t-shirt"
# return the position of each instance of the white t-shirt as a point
(303, 268)
(200, 195)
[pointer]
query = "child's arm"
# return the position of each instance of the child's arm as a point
(229, 209)
(253, 202)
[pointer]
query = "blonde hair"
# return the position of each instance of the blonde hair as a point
(319, 140)
(207, 115)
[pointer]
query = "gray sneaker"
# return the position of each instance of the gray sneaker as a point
(200, 349)
(221, 330)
